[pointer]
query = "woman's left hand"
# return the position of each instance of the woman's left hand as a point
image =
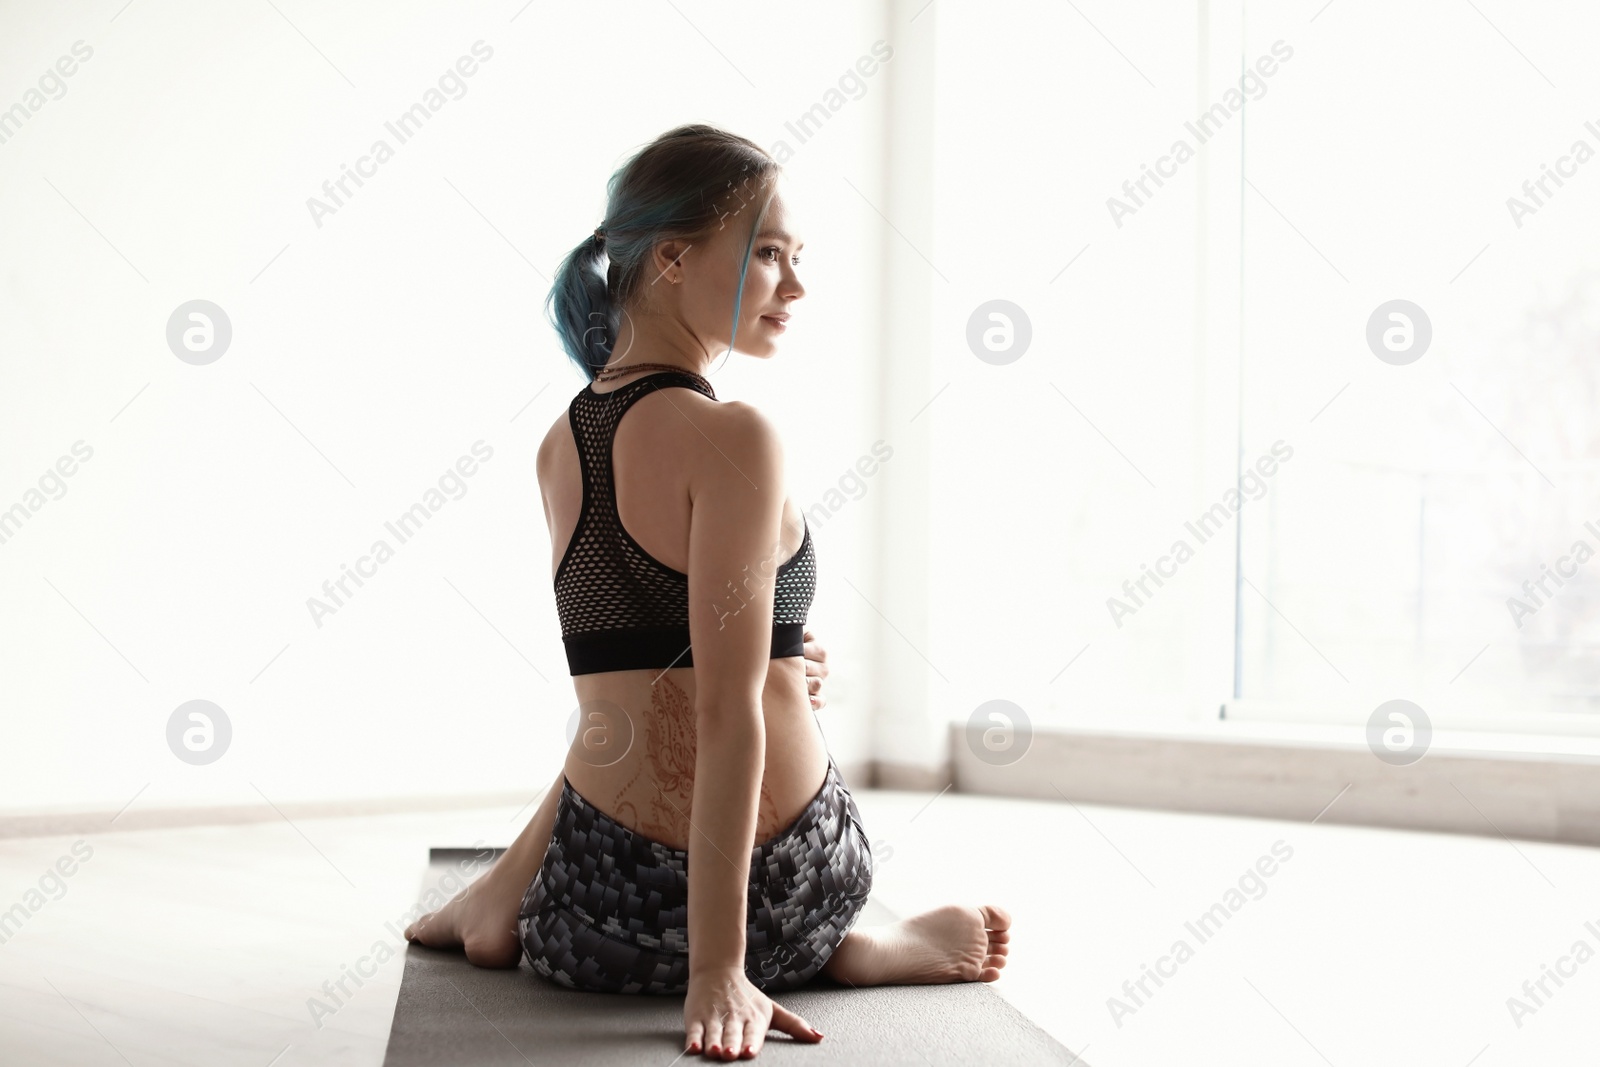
(816, 669)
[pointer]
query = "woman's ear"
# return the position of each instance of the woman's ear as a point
(668, 254)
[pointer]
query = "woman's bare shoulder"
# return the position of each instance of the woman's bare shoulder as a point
(557, 443)
(701, 431)
(736, 428)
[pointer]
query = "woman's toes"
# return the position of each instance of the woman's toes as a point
(480, 923)
(431, 930)
(414, 930)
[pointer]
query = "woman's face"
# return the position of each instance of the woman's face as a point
(771, 286)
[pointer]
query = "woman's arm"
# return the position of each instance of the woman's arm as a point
(737, 499)
(736, 512)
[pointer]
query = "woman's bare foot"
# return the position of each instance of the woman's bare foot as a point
(482, 918)
(949, 944)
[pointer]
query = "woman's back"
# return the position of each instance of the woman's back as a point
(634, 753)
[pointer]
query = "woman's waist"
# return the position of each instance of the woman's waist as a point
(641, 774)
(631, 714)
(596, 860)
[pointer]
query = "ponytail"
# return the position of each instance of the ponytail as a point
(580, 307)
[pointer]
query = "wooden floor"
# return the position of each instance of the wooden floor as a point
(206, 946)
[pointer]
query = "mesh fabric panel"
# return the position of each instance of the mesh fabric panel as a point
(620, 607)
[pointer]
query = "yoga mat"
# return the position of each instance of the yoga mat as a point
(450, 1012)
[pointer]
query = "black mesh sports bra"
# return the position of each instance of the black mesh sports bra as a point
(620, 607)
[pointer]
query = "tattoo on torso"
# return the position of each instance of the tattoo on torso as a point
(658, 799)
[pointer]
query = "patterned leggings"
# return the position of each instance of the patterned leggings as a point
(608, 911)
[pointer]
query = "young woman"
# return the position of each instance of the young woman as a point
(683, 575)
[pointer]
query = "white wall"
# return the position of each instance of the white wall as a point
(368, 355)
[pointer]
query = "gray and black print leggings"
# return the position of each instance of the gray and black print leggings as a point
(608, 911)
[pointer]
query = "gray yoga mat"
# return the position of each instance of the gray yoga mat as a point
(451, 1012)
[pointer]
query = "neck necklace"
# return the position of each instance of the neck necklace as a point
(611, 373)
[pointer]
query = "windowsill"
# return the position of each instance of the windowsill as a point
(1479, 743)
(1538, 787)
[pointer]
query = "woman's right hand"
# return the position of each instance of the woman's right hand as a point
(728, 1017)
(816, 659)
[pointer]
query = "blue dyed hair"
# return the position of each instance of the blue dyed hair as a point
(683, 185)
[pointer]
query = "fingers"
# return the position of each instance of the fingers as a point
(755, 1035)
(730, 1021)
(814, 685)
(694, 1037)
(733, 1037)
(787, 1021)
(713, 1044)
(814, 652)
(816, 658)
